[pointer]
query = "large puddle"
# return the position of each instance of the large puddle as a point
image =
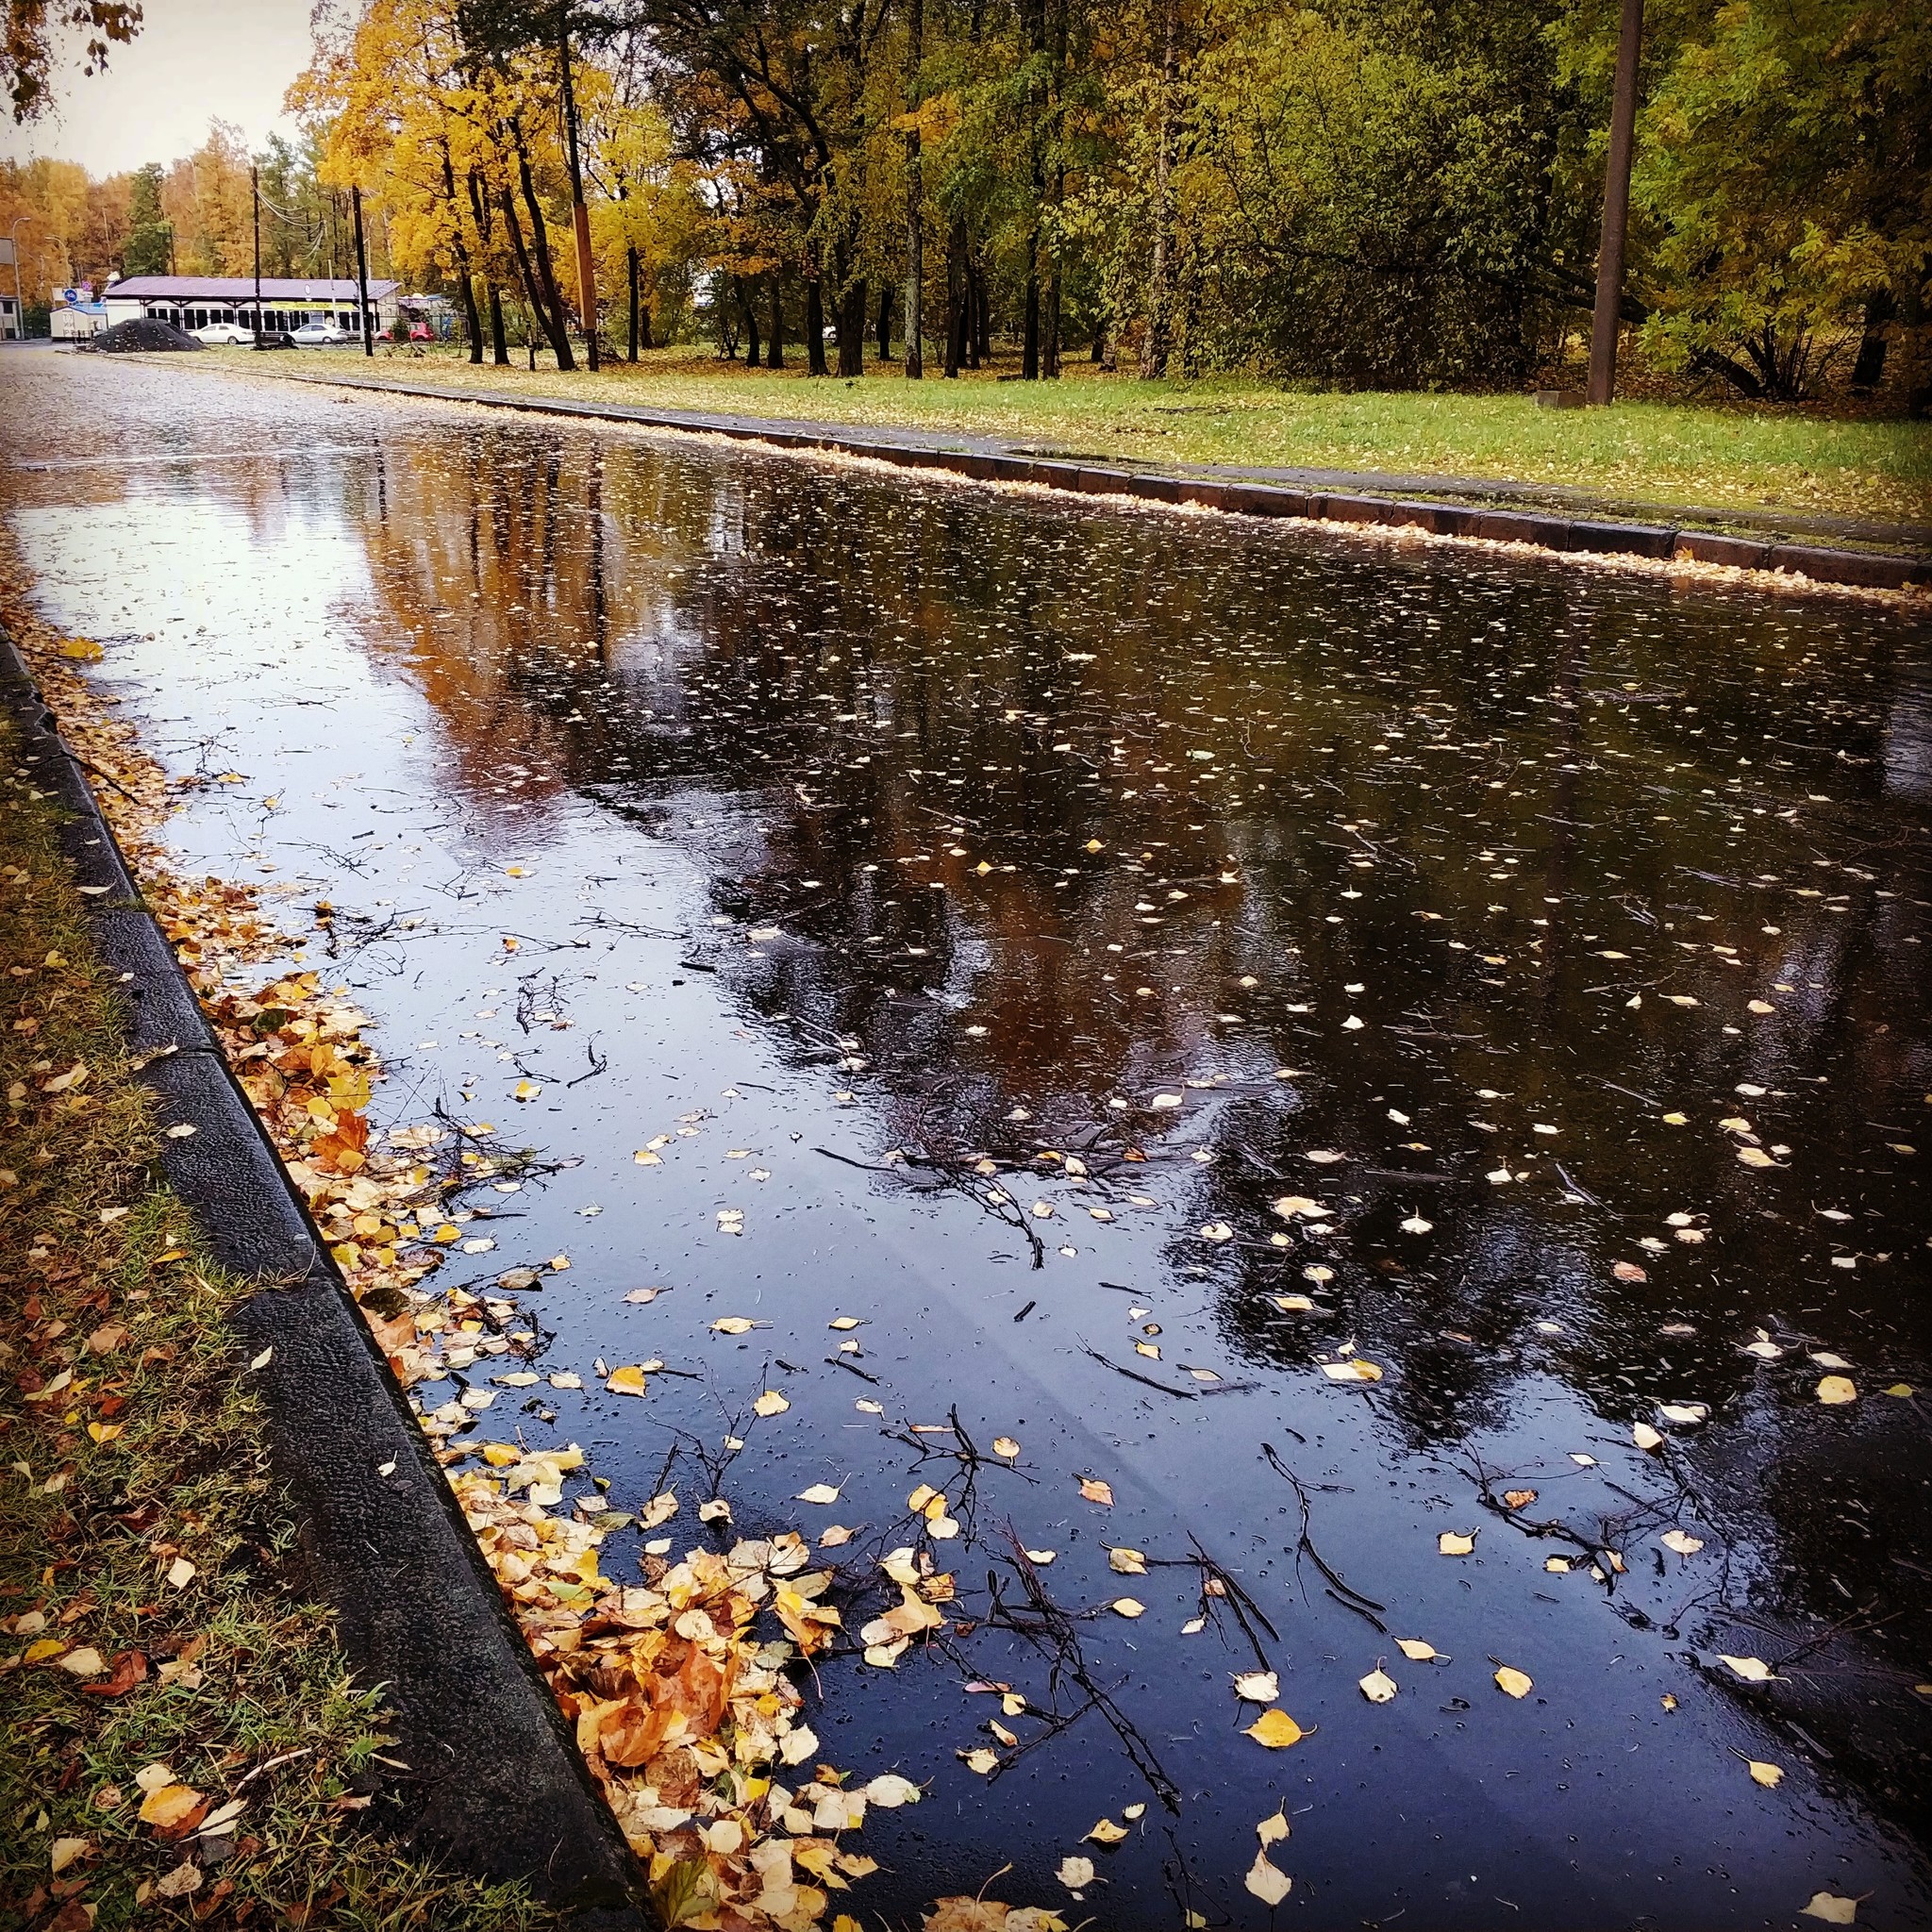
(985, 909)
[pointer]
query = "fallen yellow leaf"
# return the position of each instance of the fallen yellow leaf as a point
(1276, 1730)
(168, 1805)
(1266, 1881)
(1512, 1682)
(1833, 1910)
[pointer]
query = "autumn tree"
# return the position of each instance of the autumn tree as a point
(1784, 188)
(35, 38)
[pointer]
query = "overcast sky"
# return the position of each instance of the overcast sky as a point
(194, 60)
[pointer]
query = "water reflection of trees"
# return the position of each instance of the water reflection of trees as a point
(875, 690)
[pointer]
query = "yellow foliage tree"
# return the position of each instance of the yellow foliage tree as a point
(459, 150)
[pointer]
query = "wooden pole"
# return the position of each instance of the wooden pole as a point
(255, 195)
(1609, 256)
(915, 194)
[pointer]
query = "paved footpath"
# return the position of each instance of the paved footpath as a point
(1824, 549)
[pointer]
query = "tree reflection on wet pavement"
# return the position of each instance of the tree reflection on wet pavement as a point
(1393, 1080)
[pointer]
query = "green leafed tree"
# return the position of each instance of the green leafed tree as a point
(149, 236)
(1782, 192)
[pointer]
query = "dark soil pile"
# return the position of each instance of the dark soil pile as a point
(143, 333)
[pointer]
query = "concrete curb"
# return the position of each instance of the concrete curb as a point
(1821, 564)
(495, 1788)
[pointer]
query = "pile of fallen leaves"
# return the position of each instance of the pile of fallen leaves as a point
(682, 1709)
(682, 1706)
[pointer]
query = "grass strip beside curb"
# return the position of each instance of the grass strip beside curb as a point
(160, 1655)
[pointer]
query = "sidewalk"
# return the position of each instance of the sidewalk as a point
(1830, 549)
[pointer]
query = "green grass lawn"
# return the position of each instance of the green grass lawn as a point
(1639, 453)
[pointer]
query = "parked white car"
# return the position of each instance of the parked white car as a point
(322, 335)
(224, 335)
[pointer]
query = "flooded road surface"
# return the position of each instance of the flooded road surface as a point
(1320, 1037)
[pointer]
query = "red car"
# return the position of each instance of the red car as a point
(422, 332)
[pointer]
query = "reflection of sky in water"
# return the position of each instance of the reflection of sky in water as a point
(1545, 835)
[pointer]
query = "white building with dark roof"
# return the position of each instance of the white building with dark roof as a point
(193, 301)
(12, 318)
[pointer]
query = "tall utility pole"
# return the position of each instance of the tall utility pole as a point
(1609, 254)
(579, 215)
(915, 231)
(255, 195)
(361, 275)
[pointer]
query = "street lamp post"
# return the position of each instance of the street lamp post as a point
(18, 293)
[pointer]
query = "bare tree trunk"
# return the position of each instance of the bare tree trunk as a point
(850, 329)
(479, 208)
(1154, 350)
(886, 322)
(560, 341)
(556, 323)
(1869, 370)
(982, 314)
(1029, 349)
(750, 321)
(1050, 320)
(499, 342)
(814, 325)
(630, 278)
(775, 352)
(473, 319)
(472, 324)
(955, 297)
